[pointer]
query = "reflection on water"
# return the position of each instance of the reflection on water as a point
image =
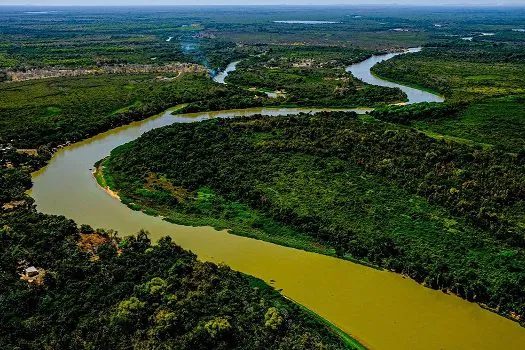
(362, 72)
(221, 76)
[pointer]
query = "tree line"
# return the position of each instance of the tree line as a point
(97, 290)
(444, 213)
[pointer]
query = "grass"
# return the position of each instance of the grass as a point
(126, 109)
(99, 176)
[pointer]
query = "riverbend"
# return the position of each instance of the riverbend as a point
(381, 309)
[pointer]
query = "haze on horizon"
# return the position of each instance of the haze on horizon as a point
(262, 2)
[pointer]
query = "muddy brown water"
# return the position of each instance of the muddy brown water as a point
(381, 309)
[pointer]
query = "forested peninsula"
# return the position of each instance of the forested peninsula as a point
(432, 191)
(444, 213)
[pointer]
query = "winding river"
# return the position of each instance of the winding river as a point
(381, 309)
(362, 72)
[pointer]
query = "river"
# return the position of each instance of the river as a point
(221, 76)
(381, 309)
(362, 72)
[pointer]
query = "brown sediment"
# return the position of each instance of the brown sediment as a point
(383, 309)
(98, 171)
(112, 193)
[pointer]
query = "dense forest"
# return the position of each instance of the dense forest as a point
(484, 76)
(311, 76)
(461, 71)
(446, 214)
(54, 111)
(92, 289)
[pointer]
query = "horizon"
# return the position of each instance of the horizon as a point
(272, 3)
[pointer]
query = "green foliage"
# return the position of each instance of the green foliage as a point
(47, 112)
(461, 73)
(137, 296)
(13, 184)
(217, 327)
(409, 114)
(127, 310)
(496, 121)
(311, 76)
(487, 78)
(444, 213)
(157, 286)
(272, 319)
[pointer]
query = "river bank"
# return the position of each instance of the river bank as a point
(350, 296)
(281, 235)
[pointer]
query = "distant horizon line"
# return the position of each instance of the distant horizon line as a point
(268, 5)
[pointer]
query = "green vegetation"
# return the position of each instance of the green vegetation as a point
(433, 191)
(486, 78)
(498, 121)
(462, 72)
(410, 114)
(311, 76)
(55, 111)
(96, 290)
(87, 37)
(448, 215)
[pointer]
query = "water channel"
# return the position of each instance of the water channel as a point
(381, 309)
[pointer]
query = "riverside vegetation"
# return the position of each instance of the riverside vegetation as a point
(444, 213)
(47, 113)
(97, 290)
(340, 184)
(152, 295)
(486, 77)
(311, 76)
(335, 183)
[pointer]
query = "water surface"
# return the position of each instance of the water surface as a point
(362, 72)
(221, 76)
(381, 309)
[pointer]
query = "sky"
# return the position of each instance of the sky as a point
(265, 2)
